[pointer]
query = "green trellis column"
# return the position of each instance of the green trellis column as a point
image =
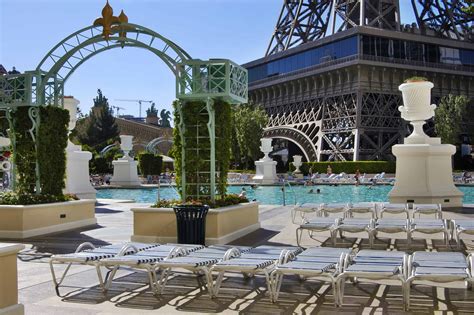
(211, 126)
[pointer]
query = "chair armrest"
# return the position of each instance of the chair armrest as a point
(83, 245)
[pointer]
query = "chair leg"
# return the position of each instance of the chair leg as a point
(217, 286)
(277, 281)
(299, 233)
(406, 287)
(55, 280)
(269, 284)
(163, 279)
(110, 278)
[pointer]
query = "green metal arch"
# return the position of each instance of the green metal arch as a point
(64, 58)
(119, 45)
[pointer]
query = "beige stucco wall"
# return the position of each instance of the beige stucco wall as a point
(8, 278)
(160, 223)
(19, 219)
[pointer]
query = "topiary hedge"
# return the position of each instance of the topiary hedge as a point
(349, 167)
(24, 151)
(49, 151)
(52, 142)
(149, 163)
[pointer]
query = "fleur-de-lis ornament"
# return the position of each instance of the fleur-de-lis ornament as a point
(107, 20)
(122, 29)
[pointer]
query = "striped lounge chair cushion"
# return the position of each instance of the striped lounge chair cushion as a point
(242, 263)
(307, 266)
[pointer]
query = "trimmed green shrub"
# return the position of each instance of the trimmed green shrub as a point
(100, 165)
(149, 163)
(11, 198)
(349, 167)
(52, 142)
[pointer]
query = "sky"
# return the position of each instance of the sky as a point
(239, 30)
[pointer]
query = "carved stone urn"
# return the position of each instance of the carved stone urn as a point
(417, 109)
(297, 163)
(126, 144)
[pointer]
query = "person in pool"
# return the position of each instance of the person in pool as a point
(243, 193)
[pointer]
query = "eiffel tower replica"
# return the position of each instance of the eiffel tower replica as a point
(329, 79)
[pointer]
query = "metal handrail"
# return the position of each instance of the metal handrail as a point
(284, 182)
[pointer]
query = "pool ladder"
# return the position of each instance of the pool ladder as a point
(283, 190)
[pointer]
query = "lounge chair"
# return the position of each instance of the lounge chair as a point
(259, 260)
(318, 224)
(361, 207)
(429, 226)
(389, 226)
(87, 254)
(437, 268)
(303, 210)
(428, 209)
(353, 226)
(322, 263)
(326, 209)
(146, 260)
(373, 265)
(460, 227)
(394, 208)
(199, 262)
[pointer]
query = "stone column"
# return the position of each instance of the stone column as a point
(9, 280)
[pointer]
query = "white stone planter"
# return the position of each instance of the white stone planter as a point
(417, 109)
(297, 163)
(126, 144)
(223, 225)
(424, 172)
(20, 222)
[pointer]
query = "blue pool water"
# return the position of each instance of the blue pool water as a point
(272, 195)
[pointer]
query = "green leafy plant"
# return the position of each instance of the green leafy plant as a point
(24, 152)
(415, 79)
(227, 200)
(451, 112)
(12, 198)
(149, 163)
(197, 152)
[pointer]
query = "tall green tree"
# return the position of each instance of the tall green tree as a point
(450, 114)
(99, 127)
(249, 121)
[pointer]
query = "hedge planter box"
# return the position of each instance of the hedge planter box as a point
(18, 222)
(223, 225)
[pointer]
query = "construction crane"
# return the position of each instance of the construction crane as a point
(139, 103)
(118, 110)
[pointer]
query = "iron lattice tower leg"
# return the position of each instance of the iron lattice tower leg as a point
(383, 14)
(446, 18)
(300, 21)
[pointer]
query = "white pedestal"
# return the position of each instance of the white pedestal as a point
(77, 173)
(125, 173)
(265, 172)
(424, 175)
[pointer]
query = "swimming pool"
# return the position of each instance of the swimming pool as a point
(272, 195)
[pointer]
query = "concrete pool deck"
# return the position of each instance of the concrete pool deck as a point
(130, 295)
